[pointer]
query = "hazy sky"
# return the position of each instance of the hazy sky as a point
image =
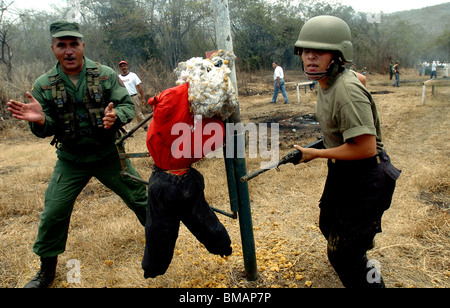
(373, 6)
(389, 6)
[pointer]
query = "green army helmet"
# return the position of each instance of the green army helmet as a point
(326, 33)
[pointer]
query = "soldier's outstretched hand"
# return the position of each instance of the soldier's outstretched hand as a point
(110, 116)
(31, 112)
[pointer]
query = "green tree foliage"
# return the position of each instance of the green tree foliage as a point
(170, 31)
(254, 33)
(181, 28)
(440, 47)
(126, 31)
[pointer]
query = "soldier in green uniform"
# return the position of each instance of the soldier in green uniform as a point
(83, 105)
(361, 180)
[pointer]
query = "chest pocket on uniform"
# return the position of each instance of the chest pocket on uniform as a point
(78, 118)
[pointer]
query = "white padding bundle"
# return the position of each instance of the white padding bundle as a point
(211, 92)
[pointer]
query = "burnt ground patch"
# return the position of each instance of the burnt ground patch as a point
(297, 129)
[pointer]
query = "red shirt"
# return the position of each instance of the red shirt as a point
(175, 139)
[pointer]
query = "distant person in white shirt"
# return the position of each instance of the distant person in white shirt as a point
(133, 85)
(279, 83)
(433, 70)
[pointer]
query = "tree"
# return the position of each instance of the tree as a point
(125, 31)
(6, 53)
(287, 22)
(253, 28)
(179, 27)
(167, 32)
(439, 48)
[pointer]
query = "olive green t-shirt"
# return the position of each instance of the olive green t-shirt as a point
(346, 110)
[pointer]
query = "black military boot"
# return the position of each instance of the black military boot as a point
(44, 278)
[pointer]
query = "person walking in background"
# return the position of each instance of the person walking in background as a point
(279, 84)
(433, 70)
(396, 70)
(421, 69)
(134, 86)
(83, 105)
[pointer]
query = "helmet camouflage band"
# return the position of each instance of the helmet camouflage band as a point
(326, 33)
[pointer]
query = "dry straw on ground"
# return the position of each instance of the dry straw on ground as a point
(107, 240)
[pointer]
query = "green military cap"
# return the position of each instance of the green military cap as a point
(63, 28)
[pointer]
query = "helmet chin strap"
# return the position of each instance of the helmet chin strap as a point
(316, 76)
(332, 70)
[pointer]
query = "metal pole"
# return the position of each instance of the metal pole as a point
(225, 42)
(424, 88)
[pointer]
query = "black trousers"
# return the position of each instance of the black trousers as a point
(356, 194)
(173, 199)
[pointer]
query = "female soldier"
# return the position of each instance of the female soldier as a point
(361, 179)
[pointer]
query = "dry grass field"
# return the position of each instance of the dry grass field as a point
(108, 241)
